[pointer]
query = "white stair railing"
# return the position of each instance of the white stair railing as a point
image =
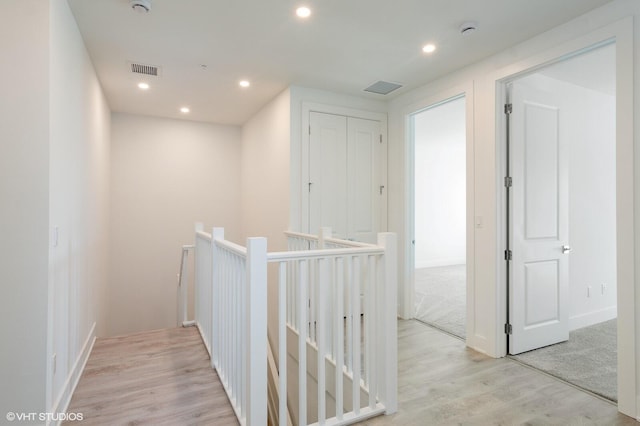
(203, 285)
(231, 314)
(336, 307)
(343, 304)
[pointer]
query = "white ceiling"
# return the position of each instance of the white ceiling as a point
(595, 70)
(345, 46)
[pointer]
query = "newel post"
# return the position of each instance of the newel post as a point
(325, 232)
(216, 315)
(387, 290)
(256, 368)
(197, 279)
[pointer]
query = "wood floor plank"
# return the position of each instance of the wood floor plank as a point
(441, 382)
(161, 377)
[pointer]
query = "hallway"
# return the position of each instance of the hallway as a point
(160, 377)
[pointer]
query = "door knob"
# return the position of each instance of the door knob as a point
(566, 249)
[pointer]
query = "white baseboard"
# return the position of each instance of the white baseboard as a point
(62, 403)
(594, 317)
(204, 341)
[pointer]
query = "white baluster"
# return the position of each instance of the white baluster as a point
(349, 304)
(355, 301)
(339, 337)
(322, 286)
(370, 319)
(387, 332)
(302, 342)
(256, 332)
(282, 343)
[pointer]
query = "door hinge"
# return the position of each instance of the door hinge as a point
(508, 108)
(309, 128)
(508, 329)
(380, 138)
(508, 182)
(508, 255)
(310, 183)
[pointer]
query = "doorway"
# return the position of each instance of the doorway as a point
(439, 140)
(561, 202)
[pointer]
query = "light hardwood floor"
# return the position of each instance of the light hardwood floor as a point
(163, 378)
(160, 377)
(441, 382)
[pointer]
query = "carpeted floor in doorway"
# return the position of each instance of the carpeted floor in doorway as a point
(588, 359)
(441, 297)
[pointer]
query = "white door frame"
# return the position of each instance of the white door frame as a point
(622, 33)
(407, 304)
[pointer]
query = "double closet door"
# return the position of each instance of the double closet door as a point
(346, 176)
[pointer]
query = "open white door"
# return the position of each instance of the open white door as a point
(538, 236)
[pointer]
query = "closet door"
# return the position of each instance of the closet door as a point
(328, 173)
(344, 176)
(363, 179)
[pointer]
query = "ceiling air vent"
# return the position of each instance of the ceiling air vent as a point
(151, 70)
(383, 87)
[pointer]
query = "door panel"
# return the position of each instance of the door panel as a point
(539, 274)
(541, 170)
(363, 200)
(541, 293)
(328, 173)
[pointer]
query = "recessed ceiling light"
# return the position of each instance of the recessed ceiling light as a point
(185, 110)
(244, 83)
(429, 48)
(303, 12)
(143, 86)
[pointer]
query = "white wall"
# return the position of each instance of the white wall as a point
(78, 205)
(265, 182)
(24, 215)
(592, 206)
(440, 185)
(485, 293)
(54, 168)
(265, 172)
(165, 175)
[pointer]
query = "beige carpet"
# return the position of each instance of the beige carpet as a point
(588, 360)
(441, 298)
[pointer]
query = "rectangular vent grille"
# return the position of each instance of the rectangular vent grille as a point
(145, 69)
(383, 87)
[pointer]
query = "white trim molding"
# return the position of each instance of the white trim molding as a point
(62, 403)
